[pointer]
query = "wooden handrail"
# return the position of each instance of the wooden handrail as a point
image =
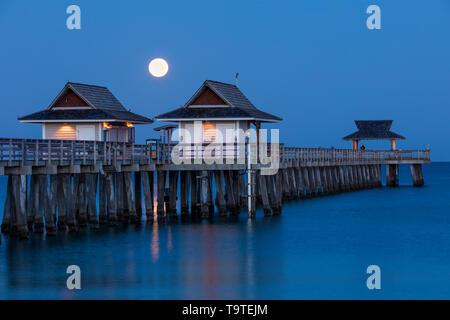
(40, 151)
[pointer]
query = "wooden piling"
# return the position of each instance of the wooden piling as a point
(19, 183)
(220, 197)
(138, 194)
(8, 209)
(46, 203)
(130, 197)
(391, 175)
(160, 185)
(91, 191)
(229, 190)
(417, 175)
(110, 196)
(204, 193)
(102, 202)
(173, 188)
(264, 195)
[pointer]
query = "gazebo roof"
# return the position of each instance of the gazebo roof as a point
(373, 130)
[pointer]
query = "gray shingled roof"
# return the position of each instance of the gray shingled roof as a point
(104, 107)
(240, 106)
(373, 129)
(86, 114)
(97, 96)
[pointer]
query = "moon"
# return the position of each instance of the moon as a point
(158, 67)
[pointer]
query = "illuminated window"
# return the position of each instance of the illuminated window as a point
(209, 132)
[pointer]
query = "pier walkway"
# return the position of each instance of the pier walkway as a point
(64, 185)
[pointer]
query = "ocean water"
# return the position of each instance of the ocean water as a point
(318, 248)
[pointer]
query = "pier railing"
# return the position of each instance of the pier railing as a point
(38, 152)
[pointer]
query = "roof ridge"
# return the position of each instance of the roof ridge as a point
(86, 84)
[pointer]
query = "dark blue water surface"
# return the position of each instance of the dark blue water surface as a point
(318, 248)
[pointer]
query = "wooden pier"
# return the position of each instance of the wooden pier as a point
(65, 185)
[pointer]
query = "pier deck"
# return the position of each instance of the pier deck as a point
(65, 185)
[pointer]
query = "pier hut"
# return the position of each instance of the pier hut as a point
(373, 130)
(86, 112)
(217, 108)
(380, 130)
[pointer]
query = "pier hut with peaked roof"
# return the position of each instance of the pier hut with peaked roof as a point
(216, 108)
(86, 112)
(373, 130)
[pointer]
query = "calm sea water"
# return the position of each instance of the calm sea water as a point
(318, 249)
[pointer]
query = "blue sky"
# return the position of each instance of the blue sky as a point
(314, 63)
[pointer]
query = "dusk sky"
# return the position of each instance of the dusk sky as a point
(313, 63)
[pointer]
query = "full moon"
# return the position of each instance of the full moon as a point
(158, 67)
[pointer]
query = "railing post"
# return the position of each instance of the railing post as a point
(72, 154)
(49, 151)
(95, 152)
(61, 153)
(84, 151)
(36, 153)
(22, 162)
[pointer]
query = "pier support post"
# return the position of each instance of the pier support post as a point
(204, 185)
(69, 202)
(47, 197)
(91, 190)
(278, 181)
(138, 194)
(61, 221)
(229, 191)
(285, 185)
(20, 196)
(220, 197)
(148, 195)
(321, 180)
(32, 201)
(391, 175)
(119, 195)
(194, 193)
(81, 200)
(300, 182)
(161, 184)
(272, 193)
(173, 188)
(110, 196)
(235, 176)
(417, 175)
(312, 181)
(8, 209)
(252, 195)
(264, 195)
(102, 217)
(307, 184)
(130, 197)
(184, 193)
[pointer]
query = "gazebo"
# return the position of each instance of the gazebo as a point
(373, 130)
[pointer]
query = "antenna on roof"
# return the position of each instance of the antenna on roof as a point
(236, 79)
